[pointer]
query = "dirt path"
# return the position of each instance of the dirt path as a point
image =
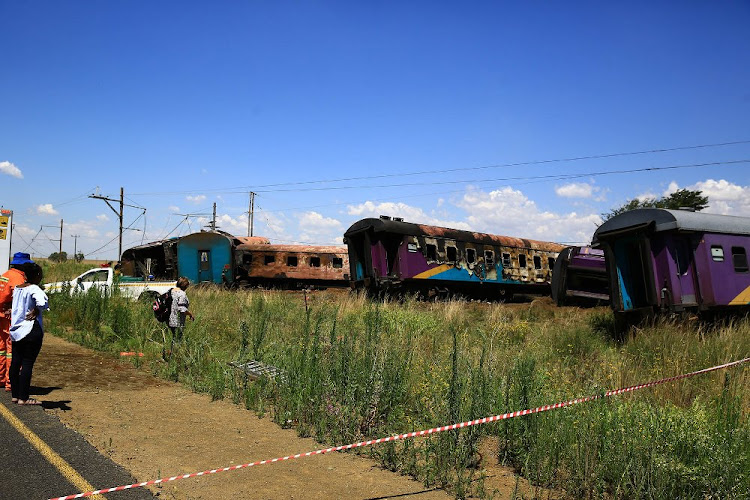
(156, 429)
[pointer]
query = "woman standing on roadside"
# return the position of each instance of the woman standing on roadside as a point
(27, 333)
(180, 309)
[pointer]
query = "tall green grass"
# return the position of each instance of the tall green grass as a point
(354, 369)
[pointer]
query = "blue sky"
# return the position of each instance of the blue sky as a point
(184, 104)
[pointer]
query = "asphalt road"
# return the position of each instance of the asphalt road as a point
(26, 473)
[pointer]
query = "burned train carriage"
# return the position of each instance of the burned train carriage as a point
(391, 256)
(580, 277)
(292, 266)
(676, 260)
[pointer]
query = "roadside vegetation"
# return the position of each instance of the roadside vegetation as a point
(353, 369)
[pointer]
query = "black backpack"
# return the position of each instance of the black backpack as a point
(163, 306)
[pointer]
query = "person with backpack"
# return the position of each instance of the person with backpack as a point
(179, 310)
(27, 334)
(13, 277)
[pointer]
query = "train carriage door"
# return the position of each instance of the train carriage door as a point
(632, 272)
(204, 266)
(685, 265)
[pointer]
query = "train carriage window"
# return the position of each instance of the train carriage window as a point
(551, 262)
(247, 259)
(337, 262)
(314, 261)
(489, 257)
(537, 262)
(717, 253)
(451, 254)
(739, 259)
(506, 259)
(431, 251)
(521, 260)
(471, 256)
(291, 261)
(269, 259)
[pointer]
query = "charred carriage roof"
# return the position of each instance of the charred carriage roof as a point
(656, 220)
(410, 229)
(312, 249)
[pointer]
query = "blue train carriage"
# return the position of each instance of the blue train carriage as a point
(676, 260)
(393, 257)
(209, 256)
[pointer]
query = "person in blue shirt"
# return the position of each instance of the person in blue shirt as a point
(27, 333)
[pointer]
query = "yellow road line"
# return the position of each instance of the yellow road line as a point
(60, 464)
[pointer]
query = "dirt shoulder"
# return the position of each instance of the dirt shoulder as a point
(156, 429)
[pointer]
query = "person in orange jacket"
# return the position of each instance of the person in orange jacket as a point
(8, 281)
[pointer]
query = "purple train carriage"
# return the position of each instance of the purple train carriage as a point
(389, 256)
(676, 260)
(580, 277)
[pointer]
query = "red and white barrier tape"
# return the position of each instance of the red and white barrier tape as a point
(408, 435)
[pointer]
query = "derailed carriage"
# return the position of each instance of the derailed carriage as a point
(395, 257)
(291, 266)
(580, 277)
(676, 260)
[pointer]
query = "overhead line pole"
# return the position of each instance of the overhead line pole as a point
(119, 213)
(61, 227)
(251, 214)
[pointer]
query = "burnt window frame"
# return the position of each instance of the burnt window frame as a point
(430, 251)
(491, 253)
(537, 260)
(551, 262)
(525, 264)
(741, 253)
(269, 259)
(507, 259)
(473, 253)
(337, 262)
(289, 261)
(451, 249)
(314, 261)
(247, 259)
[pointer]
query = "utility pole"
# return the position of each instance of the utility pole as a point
(250, 214)
(61, 226)
(213, 219)
(117, 213)
(75, 244)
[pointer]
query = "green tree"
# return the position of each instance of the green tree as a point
(58, 256)
(683, 198)
(79, 257)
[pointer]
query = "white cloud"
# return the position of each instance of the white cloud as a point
(173, 208)
(576, 190)
(196, 199)
(315, 228)
(8, 168)
(45, 209)
(724, 197)
(509, 212)
(102, 217)
(407, 212)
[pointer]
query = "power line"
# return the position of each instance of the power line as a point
(244, 189)
(518, 178)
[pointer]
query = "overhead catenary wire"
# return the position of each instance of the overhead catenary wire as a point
(244, 189)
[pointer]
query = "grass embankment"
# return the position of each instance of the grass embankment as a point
(355, 369)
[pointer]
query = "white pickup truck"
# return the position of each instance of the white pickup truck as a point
(103, 279)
